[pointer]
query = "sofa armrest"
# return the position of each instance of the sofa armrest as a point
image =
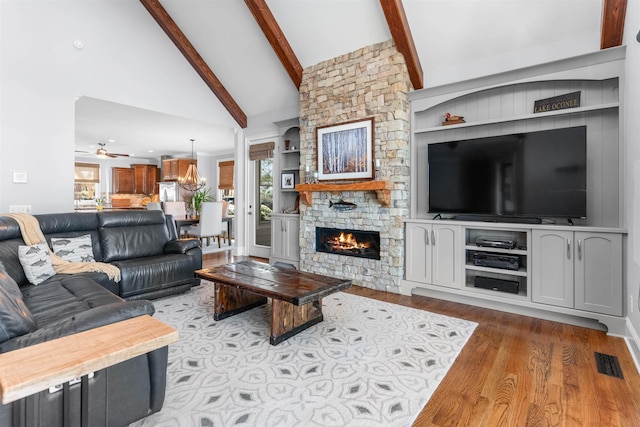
(180, 246)
(90, 319)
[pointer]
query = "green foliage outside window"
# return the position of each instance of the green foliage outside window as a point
(266, 189)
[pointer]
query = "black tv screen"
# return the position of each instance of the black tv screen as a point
(534, 174)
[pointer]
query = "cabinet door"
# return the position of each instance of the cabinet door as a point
(446, 256)
(140, 179)
(122, 180)
(182, 165)
(170, 169)
(291, 241)
(152, 176)
(277, 241)
(418, 252)
(166, 170)
(598, 272)
(552, 255)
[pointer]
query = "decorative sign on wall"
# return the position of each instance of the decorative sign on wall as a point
(561, 102)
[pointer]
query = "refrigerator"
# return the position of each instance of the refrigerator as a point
(169, 191)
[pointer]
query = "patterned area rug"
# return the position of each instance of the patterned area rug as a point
(369, 363)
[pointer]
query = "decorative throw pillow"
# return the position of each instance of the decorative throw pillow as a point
(36, 262)
(15, 317)
(73, 249)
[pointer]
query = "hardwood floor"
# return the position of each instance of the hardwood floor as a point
(522, 371)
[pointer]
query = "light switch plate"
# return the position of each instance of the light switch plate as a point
(19, 208)
(19, 177)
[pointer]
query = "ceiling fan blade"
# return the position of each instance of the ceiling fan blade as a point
(121, 155)
(113, 156)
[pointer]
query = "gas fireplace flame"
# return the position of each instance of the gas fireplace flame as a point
(346, 241)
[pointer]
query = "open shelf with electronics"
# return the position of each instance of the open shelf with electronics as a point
(496, 261)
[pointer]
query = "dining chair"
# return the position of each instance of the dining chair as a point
(154, 206)
(177, 209)
(210, 224)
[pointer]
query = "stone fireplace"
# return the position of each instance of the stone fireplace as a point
(369, 82)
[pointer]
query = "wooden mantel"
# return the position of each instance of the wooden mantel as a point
(380, 187)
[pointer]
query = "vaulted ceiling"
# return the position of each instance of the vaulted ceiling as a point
(251, 54)
(398, 25)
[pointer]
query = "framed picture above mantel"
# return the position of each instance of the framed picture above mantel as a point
(345, 151)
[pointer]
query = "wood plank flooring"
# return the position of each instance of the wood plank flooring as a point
(522, 371)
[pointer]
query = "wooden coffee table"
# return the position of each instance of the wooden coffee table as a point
(296, 296)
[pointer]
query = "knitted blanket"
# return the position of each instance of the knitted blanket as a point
(32, 235)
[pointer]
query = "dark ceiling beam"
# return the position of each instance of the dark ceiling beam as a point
(276, 38)
(193, 57)
(399, 27)
(613, 15)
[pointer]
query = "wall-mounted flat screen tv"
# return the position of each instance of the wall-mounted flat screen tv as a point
(533, 174)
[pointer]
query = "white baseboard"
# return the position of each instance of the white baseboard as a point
(633, 343)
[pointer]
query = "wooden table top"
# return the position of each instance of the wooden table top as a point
(293, 286)
(29, 370)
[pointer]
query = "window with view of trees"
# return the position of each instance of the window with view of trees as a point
(265, 190)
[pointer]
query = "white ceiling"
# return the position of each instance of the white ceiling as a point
(455, 40)
(143, 133)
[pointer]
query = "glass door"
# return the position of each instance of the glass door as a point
(260, 205)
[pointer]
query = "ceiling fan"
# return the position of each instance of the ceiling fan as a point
(102, 152)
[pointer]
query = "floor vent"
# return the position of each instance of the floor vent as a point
(608, 365)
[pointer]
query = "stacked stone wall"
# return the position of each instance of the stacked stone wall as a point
(370, 82)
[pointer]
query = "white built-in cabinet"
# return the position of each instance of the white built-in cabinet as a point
(564, 269)
(285, 221)
(285, 246)
(435, 254)
(581, 270)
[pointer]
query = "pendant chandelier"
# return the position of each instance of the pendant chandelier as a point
(191, 181)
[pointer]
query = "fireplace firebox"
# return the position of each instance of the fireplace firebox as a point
(357, 243)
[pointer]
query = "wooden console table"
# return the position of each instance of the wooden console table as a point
(32, 369)
(380, 187)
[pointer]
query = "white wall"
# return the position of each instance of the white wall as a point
(632, 138)
(126, 58)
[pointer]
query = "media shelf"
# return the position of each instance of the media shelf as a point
(492, 269)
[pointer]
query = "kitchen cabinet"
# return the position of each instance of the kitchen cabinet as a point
(581, 270)
(172, 169)
(122, 180)
(435, 254)
(145, 178)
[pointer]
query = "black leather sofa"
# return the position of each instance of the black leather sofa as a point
(153, 263)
